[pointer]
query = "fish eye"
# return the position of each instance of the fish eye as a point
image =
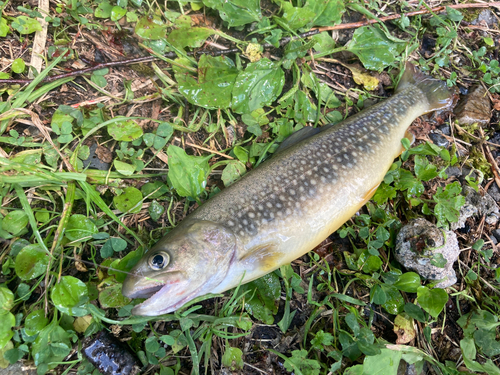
(159, 260)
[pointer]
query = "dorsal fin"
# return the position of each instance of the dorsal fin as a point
(299, 136)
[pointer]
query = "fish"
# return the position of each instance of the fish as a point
(285, 207)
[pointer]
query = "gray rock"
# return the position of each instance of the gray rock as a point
(18, 368)
(496, 234)
(486, 18)
(439, 140)
(454, 171)
(494, 192)
(491, 219)
(474, 107)
(445, 129)
(417, 244)
(476, 204)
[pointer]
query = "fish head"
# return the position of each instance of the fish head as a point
(189, 262)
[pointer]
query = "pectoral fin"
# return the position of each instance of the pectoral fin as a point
(264, 256)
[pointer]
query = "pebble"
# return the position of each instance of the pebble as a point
(496, 234)
(454, 171)
(474, 107)
(417, 243)
(439, 140)
(494, 192)
(445, 129)
(485, 18)
(476, 204)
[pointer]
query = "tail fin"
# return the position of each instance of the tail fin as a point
(436, 91)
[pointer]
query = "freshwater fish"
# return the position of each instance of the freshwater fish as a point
(285, 207)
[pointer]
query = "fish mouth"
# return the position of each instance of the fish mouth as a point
(167, 298)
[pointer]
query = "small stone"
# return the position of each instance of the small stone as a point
(485, 18)
(491, 219)
(417, 244)
(493, 240)
(445, 129)
(494, 192)
(453, 171)
(476, 204)
(496, 234)
(439, 140)
(474, 108)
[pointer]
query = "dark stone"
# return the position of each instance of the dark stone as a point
(494, 240)
(496, 233)
(445, 129)
(439, 140)
(109, 355)
(454, 171)
(494, 192)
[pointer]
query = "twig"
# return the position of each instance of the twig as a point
(79, 72)
(480, 278)
(354, 25)
(491, 160)
(208, 150)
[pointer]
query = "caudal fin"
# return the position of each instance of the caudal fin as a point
(438, 94)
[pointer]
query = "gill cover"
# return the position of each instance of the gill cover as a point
(190, 261)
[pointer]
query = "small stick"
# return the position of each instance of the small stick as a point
(355, 25)
(208, 150)
(491, 160)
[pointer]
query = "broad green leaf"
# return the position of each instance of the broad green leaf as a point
(129, 200)
(432, 300)
(448, 204)
(373, 48)
(233, 171)
(103, 10)
(4, 28)
(117, 13)
(327, 13)
(69, 296)
(299, 362)
(6, 300)
(394, 303)
(8, 321)
(386, 363)
(52, 345)
(187, 174)
(35, 322)
(408, 282)
(18, 66)
(260, 301)
(126, 130)
(236, 12)
(259, 85)
(31, 262)
(151, 28)
(424, 170)
(112, 245)
(155, 210)
(212, 88)
(111, 296)
(80, 227)
(192, 37)
(297, 17)
(26, 25)
(232, 358)
(125, 169)
(15, 222)
(155, 188)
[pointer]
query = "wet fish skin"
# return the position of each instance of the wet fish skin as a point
(284, 208)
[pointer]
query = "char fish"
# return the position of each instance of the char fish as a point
(285, 207)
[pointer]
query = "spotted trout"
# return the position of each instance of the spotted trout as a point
(285, 207)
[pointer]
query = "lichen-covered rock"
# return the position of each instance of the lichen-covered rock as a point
(474, 107)
(417, 246)
(477, 204)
